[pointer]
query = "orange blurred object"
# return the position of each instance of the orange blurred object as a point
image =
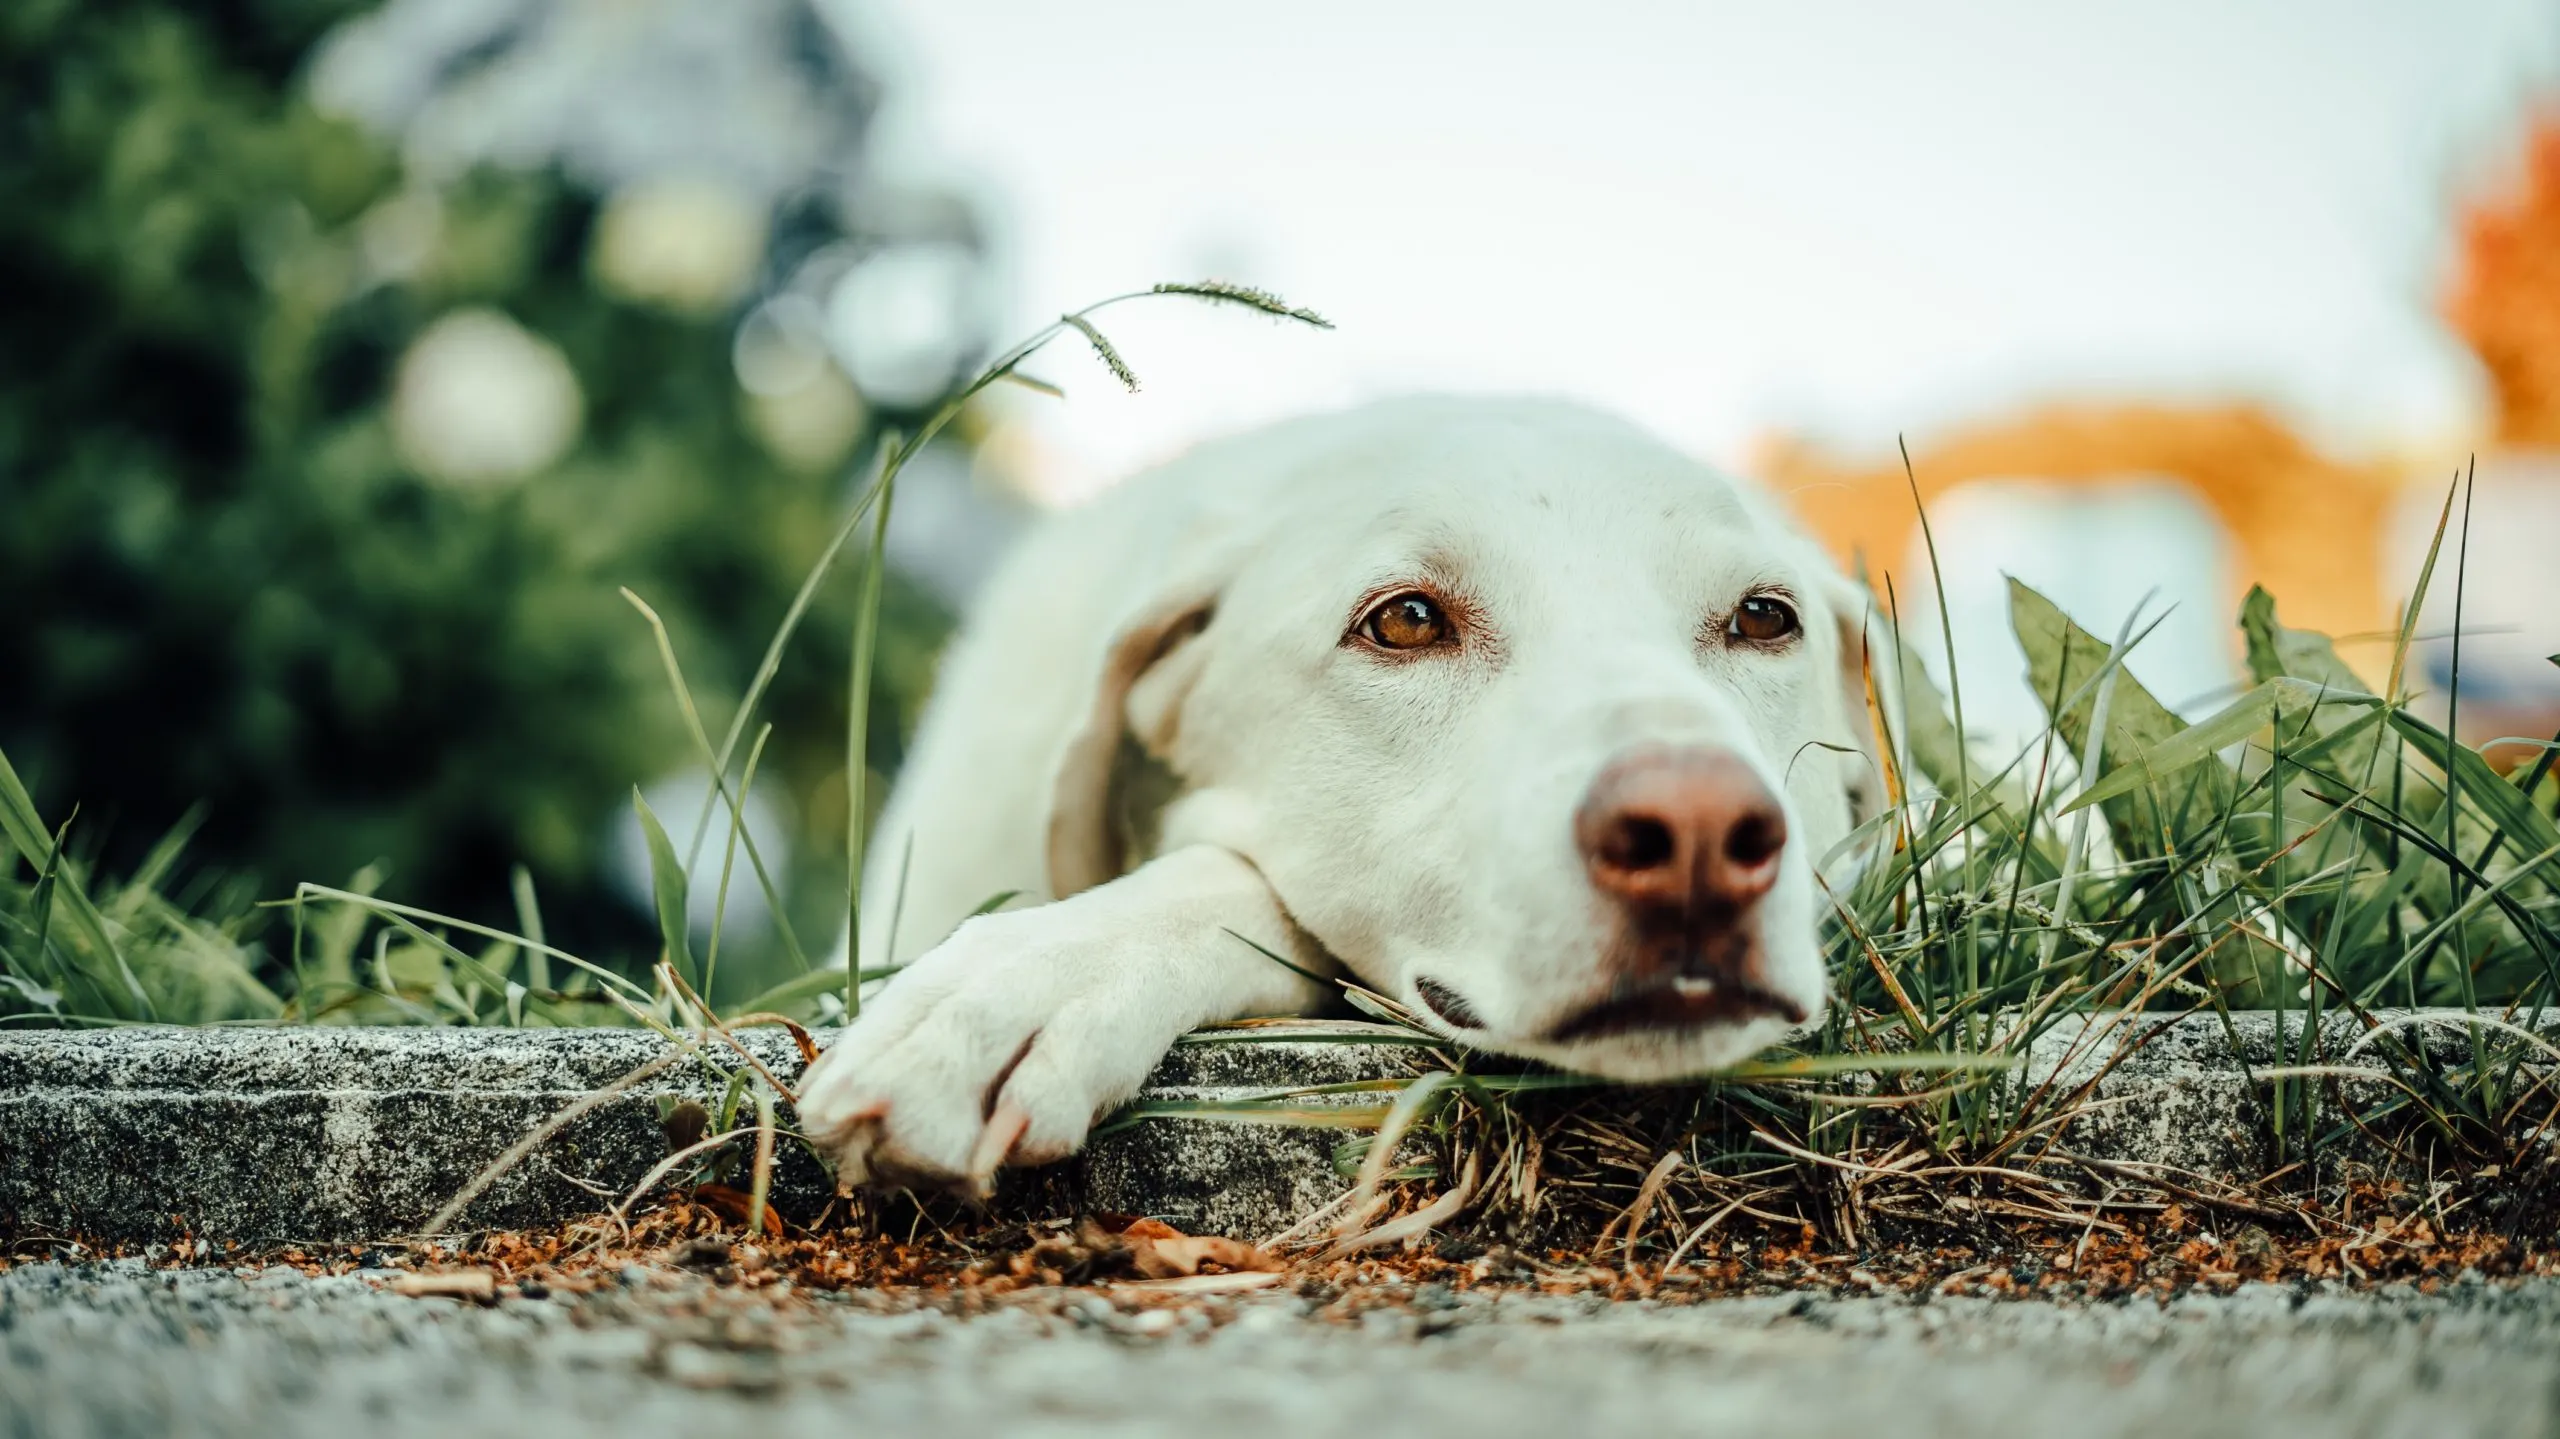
(2319, 531)
(2304, 524)
(2505, 301)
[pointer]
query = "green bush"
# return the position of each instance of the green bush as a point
(222, 590)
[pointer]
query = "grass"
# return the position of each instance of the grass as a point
(2315, 848)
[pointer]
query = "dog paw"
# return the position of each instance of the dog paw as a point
(1000, 1046)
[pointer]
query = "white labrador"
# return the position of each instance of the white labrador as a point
(1506, 708)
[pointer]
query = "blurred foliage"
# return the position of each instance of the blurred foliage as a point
(222, 590)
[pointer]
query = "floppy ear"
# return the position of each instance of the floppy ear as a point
(1147, 671)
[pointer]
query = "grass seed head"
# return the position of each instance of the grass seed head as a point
(1223, 292)
(1102, 346)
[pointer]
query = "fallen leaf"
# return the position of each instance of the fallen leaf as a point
(1157, 1250)
(800, 1037)
(735, 1204)
(1203, 1283)
(479, 1284)
(1167, 1258)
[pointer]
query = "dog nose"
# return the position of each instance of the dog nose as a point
(1686, 832)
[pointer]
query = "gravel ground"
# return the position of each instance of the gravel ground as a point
(118, 1349)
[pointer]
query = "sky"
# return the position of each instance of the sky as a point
(1845, 220)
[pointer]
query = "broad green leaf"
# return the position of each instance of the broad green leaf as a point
(2345, 742)
(2279, 699)
(2064, 662)
(2302, 654)
(2191, 745)
(1928, 735)
(2180, 817)
(2430, 890)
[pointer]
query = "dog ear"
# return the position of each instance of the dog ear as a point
(1147, 671)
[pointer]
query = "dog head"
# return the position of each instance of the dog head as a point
(1538, 725)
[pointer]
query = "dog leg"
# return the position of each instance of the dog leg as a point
(1004, 1043)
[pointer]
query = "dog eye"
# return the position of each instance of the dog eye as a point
(1407, 622)
(1763, 620)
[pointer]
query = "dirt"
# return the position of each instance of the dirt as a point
(2380, 1234)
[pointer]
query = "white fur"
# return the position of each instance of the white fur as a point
(1400, 817)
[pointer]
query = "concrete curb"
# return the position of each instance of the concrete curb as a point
(357, 1135)
(2190, 1094)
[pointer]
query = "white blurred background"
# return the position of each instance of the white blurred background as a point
(1853, 220)
(1841, 224)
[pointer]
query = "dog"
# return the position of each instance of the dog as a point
(1505, 709)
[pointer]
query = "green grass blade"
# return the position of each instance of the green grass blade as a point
(2475, 780)
(728, 862)
(800, 989)
(529, 919)
(716, 765)
(25, 831)
(667, 886)
(857, 755)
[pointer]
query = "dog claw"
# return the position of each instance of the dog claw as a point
(1004, 1129)
(851, 1139)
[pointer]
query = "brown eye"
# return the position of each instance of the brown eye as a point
(1406, 622)
(1763, 620)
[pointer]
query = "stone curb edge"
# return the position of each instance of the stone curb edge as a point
(357, 1135)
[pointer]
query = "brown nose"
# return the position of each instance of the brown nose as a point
(1681, 834)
